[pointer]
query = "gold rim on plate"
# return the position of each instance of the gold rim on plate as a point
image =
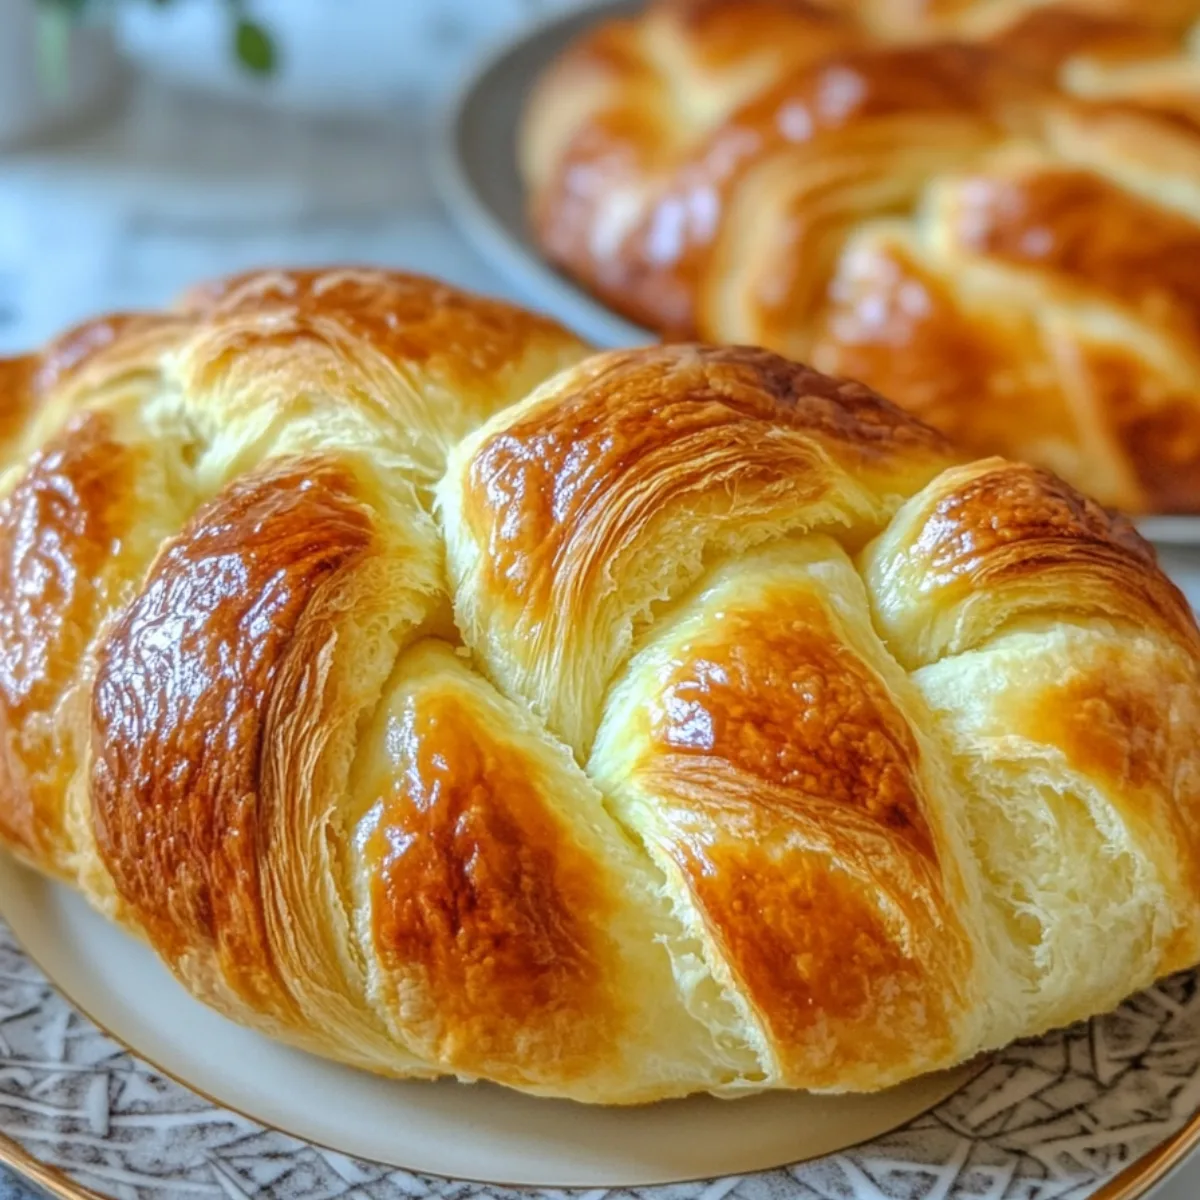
(1154, 1166)
(51, 1179)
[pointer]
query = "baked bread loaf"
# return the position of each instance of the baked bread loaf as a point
(443, 700)
(989, 211)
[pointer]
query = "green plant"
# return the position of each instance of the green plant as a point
(250, 42)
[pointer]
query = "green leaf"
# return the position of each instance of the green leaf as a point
(254, 47)
(53, 46)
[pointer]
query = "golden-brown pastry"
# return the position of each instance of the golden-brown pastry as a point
(987, 209)
(445, 701)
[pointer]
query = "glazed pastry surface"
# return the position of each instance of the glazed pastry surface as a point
(444, 699)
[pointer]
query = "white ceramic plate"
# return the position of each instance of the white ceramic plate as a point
(1049, 1120)
(476, 169)
(445, 1128)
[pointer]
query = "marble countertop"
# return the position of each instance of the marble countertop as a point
(125, 214)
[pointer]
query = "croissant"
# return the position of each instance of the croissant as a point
(988, 211)
(444, 700)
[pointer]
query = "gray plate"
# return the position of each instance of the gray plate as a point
(477, 174)
(476, 169)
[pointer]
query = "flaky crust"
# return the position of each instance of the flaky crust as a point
(446, 700)
(987, 209)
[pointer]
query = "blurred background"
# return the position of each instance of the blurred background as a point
(146, 143)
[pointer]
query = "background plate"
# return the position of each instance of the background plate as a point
(476, 169)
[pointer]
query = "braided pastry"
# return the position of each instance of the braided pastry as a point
(999, 232)
(445, 701)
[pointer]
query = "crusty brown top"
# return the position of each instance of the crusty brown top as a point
(692, 444)
(57, 529)
(1033, 170)
(480, 896)
(175, 779)
(787, 786)
(661, 424)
